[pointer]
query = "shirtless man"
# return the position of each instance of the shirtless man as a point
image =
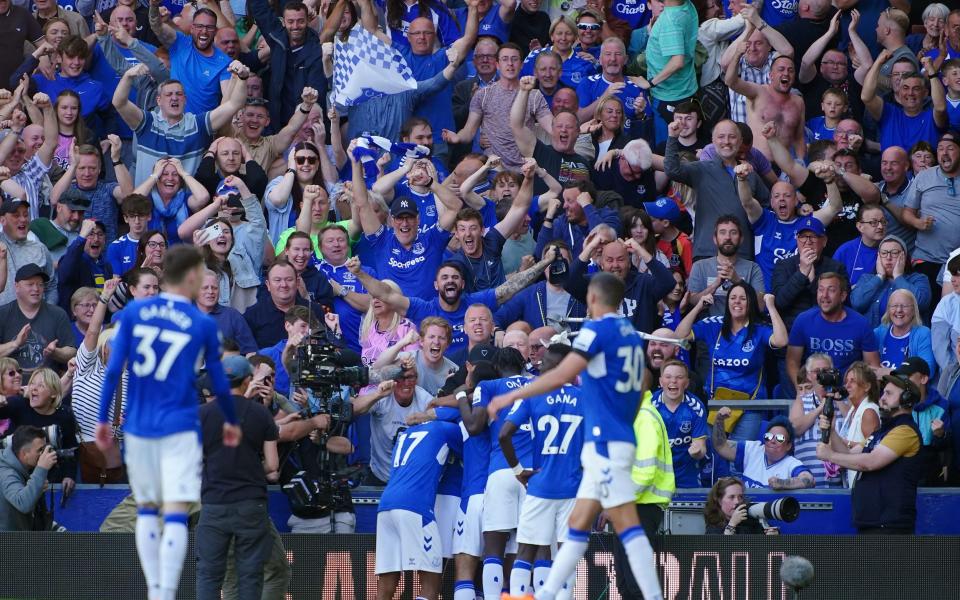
(771, 102)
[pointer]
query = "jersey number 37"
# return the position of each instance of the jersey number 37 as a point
(146, 362)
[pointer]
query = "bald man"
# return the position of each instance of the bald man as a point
(894, 163)
(660, 352)
(518, 340)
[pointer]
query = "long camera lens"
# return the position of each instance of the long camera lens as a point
(785, 509)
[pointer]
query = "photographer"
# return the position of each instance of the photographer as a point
(234, 493)
(24, 465)
(726, 511)
(890, 464)
(764, 464)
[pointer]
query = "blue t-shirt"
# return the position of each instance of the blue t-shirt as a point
(613, 379)
(121, 254)
(162, 341)
(592, 88)
(93, 96)
(953, 113)
(773, 241)
(779, 11)
(556, 419)
(894, 350)
(633, 12)
(420, 454)
(574, 70)
(448, 31)
(436, 106)
(485, 272)
(687, 423)
(844, 341)
(420, 309)
(426, 204)
(897, 129)
(414, 270)
(350, 317)
(858, 258)
(522, 440)
(735, 363)
(200, 75)
(490, 25)
(819, 130)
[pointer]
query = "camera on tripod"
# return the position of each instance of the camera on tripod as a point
(321, 370)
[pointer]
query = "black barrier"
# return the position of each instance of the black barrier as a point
(45, 566)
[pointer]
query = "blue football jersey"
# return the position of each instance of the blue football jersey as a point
(687, 423)
(522, 441)
(415, 269)
(476, 456)
(163, 340)
(420, 454)
(452, 479)
(613, 379)
(557, 420)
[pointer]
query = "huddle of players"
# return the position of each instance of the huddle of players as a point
(519, 440)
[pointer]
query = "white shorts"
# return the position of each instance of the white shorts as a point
(406, 543)
(164, 469)
(502, 500)
(607, 473)
(544, 521)
(468, 534)
(445, 509)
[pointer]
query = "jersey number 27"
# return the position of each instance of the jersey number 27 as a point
(552, 426)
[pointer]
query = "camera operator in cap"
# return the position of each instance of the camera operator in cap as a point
(768, 463)
(890, 465)
(24, 466)
(234, 492)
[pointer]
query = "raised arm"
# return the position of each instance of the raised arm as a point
(308, 98)
(525, 138)
(369, 222)
(731, 76)
(332, 22)
(196, 221)
(834, 204)
(780, 335)
(99, 313)
(868, 94)
(509, 289)
(224, 113)
(386, 183)
(465, 43)
(781, 155)
(750, 204)
(377, 289)
(127, 110)
(521, 204)
(937, 94)
(777, 40)
(685, 327)
(808, 63)
(199, 196)
(725, 448)
(166, 34)
(470, 197)
(364, 402)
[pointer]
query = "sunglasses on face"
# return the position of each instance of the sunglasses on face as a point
(778, 437)
(14, 372)
(309, 160)
(588, 26)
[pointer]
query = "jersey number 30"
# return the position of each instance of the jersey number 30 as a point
(551, 426)
(633, 369)
(146, 362)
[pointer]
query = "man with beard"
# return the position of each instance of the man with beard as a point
(714, 276)
(479, 253)
(774, 228)
(906, 121)
(57, 233)
(194, 61)
(890, 465)
(545, 301)
(659, 353)
(580, 217)
(840, 332)
(642, 292)
(254, 120)
(84, 264)
(451, 302)
(711, 180)
(559, 156)
(772, 101)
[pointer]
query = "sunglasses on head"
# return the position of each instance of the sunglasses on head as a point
(779, 437)
(310, 160)
(588, 26)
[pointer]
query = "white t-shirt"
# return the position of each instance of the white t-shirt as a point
(752, 462)
(387, 417)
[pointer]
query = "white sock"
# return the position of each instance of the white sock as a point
(148, 548)
(566, 592)
(463, 590)
(492, 578)
(520, 578)
(173, 549)
(642, 562)
(541, 569)
(565, 562)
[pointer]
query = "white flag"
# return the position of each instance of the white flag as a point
(365, 67)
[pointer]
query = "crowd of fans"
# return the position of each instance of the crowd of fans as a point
(776, 182)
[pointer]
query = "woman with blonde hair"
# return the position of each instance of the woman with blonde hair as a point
(859, 418)
(574, 67)
(382, 327)
(43, 407)
(901, 333)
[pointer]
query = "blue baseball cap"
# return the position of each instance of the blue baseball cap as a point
(663, 208)
(237, 368)
(811, 224)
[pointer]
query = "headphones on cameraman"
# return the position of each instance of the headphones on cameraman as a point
(908, 398)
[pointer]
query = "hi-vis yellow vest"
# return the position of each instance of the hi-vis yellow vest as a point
(653, 464)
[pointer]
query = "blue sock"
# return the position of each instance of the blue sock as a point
(642, 562)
